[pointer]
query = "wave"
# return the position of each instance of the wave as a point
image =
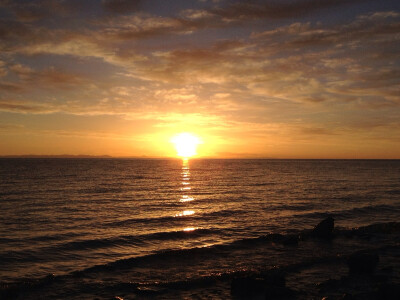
(262, 184)
(101, 190)
(43, 238)
(351, 212)
(196, 281)
(393, 192)
(309, 213)
(84, 245)
(367, 209)
(294, 207)
(170, 219)
(9, 290)
(390, 227)
(150, 289)
(14, 193)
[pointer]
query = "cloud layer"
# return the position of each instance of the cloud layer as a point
(293, 69)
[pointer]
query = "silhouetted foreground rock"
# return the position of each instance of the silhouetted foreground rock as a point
(324, 229)
(347, 296)
(290, 240)
(269, 286)
(389, 291)
(363, 262)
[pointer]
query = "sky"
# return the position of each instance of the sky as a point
(251, 79)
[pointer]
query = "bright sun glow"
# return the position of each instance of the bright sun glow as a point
(185, 144)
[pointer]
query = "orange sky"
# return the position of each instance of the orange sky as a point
(256, 79)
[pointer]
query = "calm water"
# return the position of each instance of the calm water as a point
(140, 217)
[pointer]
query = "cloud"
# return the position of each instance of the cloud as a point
(370, 27)
(10, 29)
(313, 65)
(316, 131)
(245, 10)
(39, 10)
(3, 69)
(24, 107)
(121, 6)
(46, 78)
(7, 127)
(301, 62)
(10, 87)
(143, 26)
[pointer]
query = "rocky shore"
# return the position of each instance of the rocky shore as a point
(320, 263)
(365, 277)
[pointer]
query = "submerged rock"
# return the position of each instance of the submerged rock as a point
(324, 229)
(363, 262)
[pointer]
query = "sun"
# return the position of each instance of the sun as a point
(185, 144)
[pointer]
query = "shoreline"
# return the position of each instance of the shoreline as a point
(303, 273)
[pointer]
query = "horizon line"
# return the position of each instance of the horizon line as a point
(82, 156)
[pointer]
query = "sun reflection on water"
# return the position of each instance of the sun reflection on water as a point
(185, 181)
(185, 213)
(185, 196)
(189, 229)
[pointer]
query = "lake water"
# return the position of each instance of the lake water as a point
(109, 226)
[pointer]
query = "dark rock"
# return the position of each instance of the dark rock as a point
(304, 235)
(389, 291)
(147, 293)
(269, 286)
(324, 229)
(347, 296)
(247, 287)
(279, 293)
(49, 278)
(329, 285)
(275, 237)
(363, 262)
(9, 293)
(387, 269)
(290, 240)
(274, 278)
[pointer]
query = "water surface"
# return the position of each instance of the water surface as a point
(59, 216)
